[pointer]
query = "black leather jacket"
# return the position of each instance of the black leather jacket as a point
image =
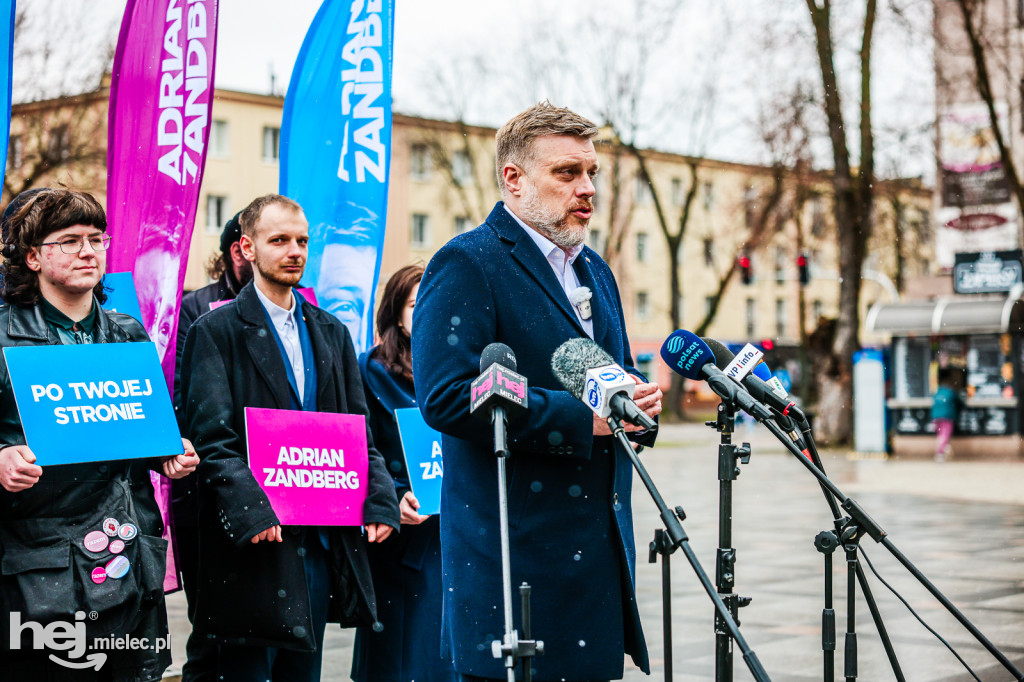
(65, 489)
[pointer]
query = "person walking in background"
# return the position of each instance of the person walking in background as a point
(944, 408)
(406, 568)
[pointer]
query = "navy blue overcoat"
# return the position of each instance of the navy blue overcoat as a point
(571, 526)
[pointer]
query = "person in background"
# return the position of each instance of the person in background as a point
(230, 271)
(54, 246)
(406, 568)
(945, 403)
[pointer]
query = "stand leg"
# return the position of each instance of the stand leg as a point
(666, 607)
(883, 634)
(826, 543)
(850, 654)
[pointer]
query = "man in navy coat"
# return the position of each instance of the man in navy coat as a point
(512, 281)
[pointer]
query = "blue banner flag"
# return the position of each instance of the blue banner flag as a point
(336, 151)
(92, 403)
(422, 448)
(7, 52)
(121, 295)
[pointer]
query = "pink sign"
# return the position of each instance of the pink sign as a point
(312, 465)
(307, 293)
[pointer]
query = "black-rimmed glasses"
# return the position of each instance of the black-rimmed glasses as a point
(74, 244)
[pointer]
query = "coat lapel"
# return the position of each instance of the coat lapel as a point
(326, 392)
(262, 348)
(526, 253)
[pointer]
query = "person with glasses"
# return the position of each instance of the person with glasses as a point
(54, 248)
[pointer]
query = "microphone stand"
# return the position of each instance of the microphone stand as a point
(850, 530)
(511, 648)
(729, 458)
(666, 542)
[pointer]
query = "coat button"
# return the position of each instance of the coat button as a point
(615, 498)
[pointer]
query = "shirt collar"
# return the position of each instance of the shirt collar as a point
(55, 317)
(278, 315)
(545, 245)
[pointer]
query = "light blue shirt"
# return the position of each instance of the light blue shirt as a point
(561, 263)
(284, 323)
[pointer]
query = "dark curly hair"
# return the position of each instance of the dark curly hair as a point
(45, 212)
(395, 349)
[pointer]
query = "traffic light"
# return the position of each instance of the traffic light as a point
(801, 267)
(745, 271)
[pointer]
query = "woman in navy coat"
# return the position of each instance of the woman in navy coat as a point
(406, 568)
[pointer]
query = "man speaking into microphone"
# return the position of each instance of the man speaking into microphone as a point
(524, 278)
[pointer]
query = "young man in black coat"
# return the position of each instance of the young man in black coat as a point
(266, 593)
(230, 272)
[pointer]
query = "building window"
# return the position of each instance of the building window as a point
(16, 151)
(641, 191)
(216, 213)
(709, 251)
(641, 247)
(420, 231)
(780, 265)
(750, 206)
(462, 168)
(708, 195)
(780, 318)
(816, 311)
(814, 264)
(419, 162)
(59, 143)
(219, 143)
(751, 318)
(643, 307)
(678, 197)
(462, 224)
(271, 144)
(817, 216)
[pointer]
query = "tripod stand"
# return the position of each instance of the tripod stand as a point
(665, 543)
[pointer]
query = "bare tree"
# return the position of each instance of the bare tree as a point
(853, 207)
(59, 119)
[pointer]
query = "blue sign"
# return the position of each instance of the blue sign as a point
(121, 296)
(422, 448)
(336, 153)
(93, 402)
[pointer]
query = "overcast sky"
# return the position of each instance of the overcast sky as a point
(745, 51)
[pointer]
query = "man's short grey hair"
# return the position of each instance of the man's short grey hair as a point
(515, 139)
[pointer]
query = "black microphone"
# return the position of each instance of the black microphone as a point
(498, 384)
(760, 390)
(686, 354)
(586, 371)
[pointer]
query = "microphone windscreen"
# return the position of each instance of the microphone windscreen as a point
(723, 356)
(573, 358)
(762, 372)
(685, 354)
(497, 353)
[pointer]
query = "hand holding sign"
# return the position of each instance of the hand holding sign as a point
(408, 507)
(18, 470)
(180, 466)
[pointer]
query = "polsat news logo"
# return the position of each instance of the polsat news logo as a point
(675, 344)
(71, 638)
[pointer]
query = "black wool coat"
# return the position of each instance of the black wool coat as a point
(256, 594)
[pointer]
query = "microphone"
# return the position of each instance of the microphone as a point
(759, 388)
(498, 384)
(688, 355)
(590, 374)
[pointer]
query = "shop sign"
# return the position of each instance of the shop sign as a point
(987, 272)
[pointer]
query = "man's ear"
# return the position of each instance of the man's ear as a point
(512, 176)
(237, 257)
(247, 248)
(32, 260)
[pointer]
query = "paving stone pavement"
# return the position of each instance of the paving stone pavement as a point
(961, 523)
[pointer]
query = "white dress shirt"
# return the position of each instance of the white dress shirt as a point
(284, 323)
(561, 263)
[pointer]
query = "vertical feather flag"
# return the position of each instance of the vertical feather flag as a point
(336, 152)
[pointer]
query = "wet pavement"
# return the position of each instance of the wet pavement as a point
(960, 523)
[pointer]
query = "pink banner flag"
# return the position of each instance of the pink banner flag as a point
(161, 92)
(312, 465)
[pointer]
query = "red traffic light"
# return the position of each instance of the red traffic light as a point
(744, 261)
(767, 344)
(801, 261)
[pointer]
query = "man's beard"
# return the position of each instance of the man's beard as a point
(549, 222)
(270, 274)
